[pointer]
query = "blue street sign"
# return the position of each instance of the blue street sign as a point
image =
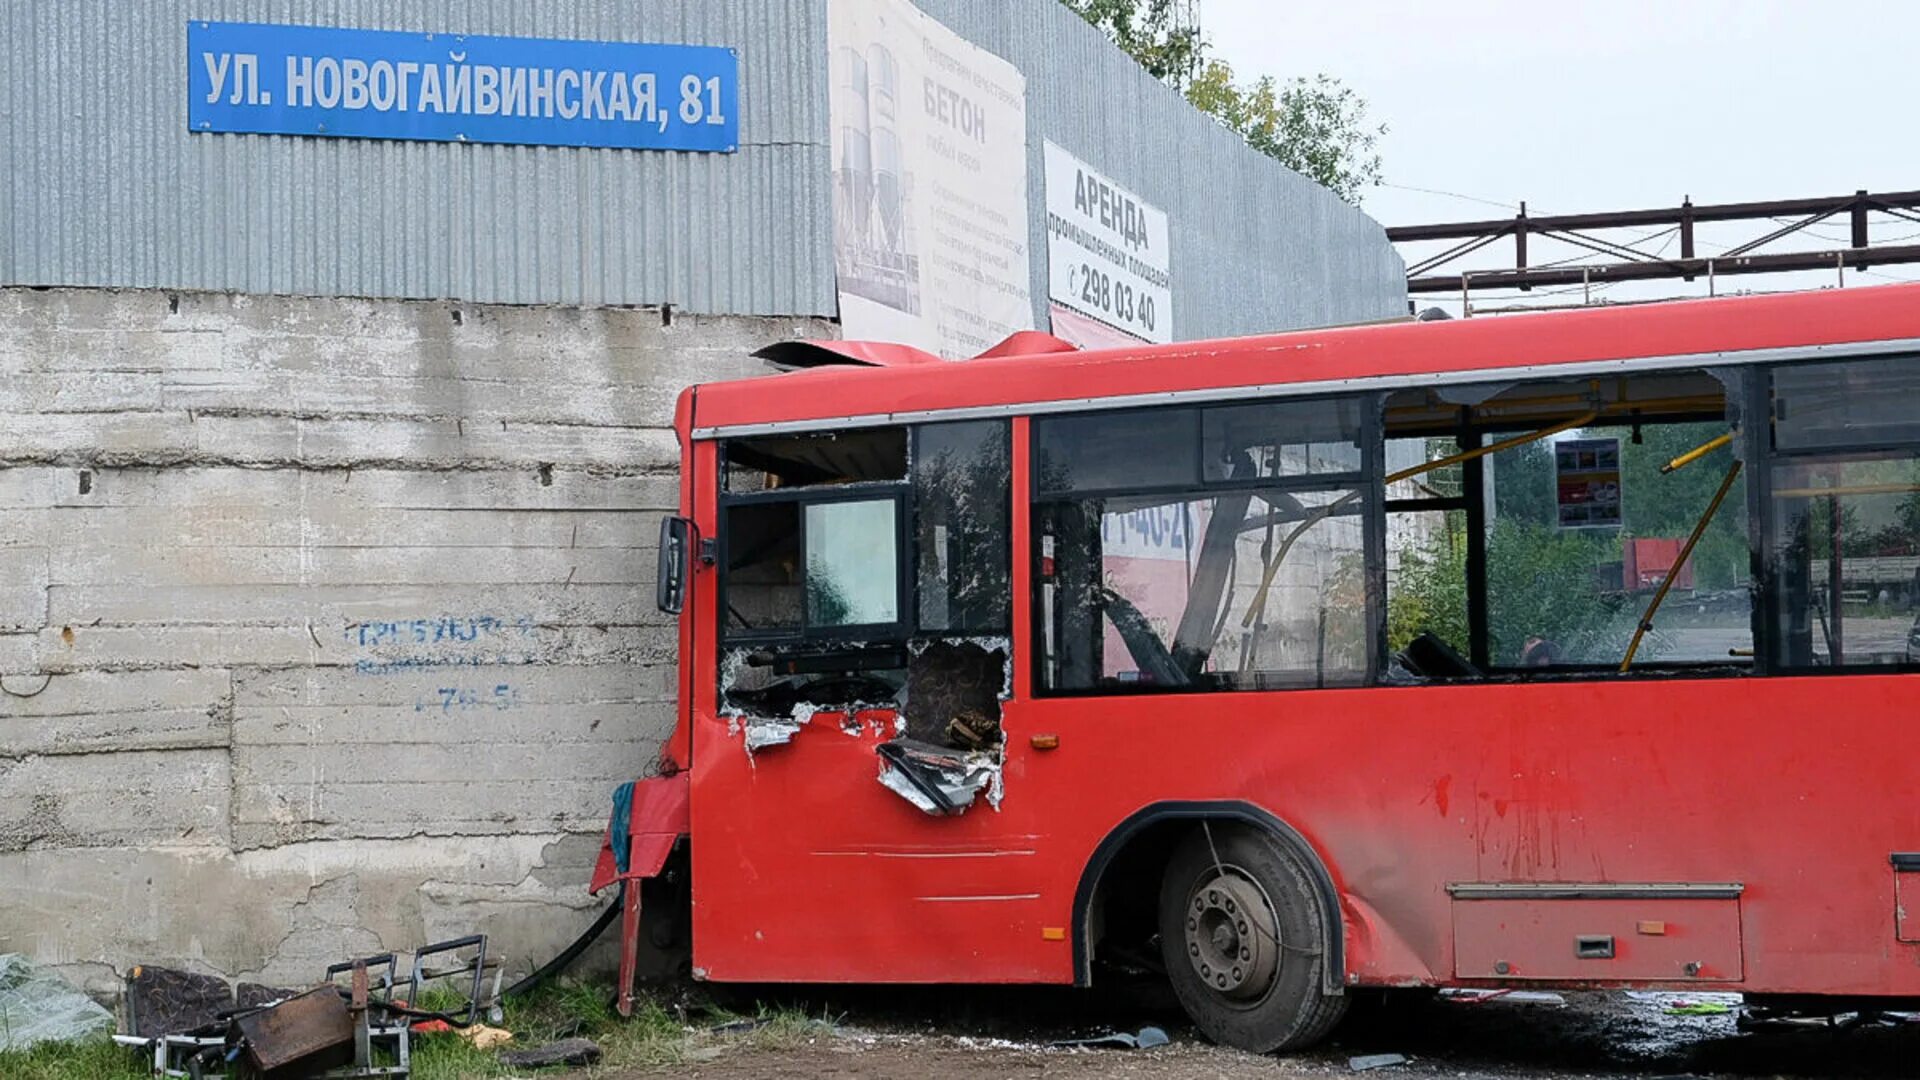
(382, 84)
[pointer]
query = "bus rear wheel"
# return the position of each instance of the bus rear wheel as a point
(1241, 931)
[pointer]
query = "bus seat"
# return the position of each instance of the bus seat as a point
(1432, 658)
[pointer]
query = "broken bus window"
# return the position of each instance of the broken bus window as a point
(1152, 580)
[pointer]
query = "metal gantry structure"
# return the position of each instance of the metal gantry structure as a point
(1782, 218)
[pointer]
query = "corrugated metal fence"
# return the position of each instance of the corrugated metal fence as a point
(103, 185)
(106, 186)
(1255, 246)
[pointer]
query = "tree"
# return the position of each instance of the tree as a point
(1162, 35)
(1316, 127)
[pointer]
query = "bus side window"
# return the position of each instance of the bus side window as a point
(1215, 548)
(1844, 513)
(963, 529)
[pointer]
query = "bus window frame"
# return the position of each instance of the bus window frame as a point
(1370, 508)
(801, 497)
(1770, 642)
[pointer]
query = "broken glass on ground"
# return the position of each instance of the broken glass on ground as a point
(38, 1006)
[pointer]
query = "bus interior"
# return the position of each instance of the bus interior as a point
(1581, 526)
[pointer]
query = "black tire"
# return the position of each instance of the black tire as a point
(1271, 997)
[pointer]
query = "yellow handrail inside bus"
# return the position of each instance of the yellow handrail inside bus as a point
(1259, 603)
(1697, 453)
(1686, 552)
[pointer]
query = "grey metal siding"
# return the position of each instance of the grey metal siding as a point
(103, 185)
(1255, 246)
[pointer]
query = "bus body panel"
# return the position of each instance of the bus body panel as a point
(807, 869)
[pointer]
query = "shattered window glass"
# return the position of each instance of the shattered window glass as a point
(1254, 576)
(852, 563)
(1247, 590)
(962, 484)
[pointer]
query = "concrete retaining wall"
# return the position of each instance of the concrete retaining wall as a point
(326, 626)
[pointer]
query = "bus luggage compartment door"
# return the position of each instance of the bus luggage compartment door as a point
(1597, 933)
(1906, 896)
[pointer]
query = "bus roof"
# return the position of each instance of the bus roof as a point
(1692, 333)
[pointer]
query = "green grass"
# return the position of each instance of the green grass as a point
(653, 1036)
(95, 1059)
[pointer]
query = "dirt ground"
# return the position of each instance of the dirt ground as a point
(981, 1036)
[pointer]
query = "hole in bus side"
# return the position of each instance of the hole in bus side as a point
(866, 588)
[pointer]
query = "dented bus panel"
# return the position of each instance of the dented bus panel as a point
(989, 654)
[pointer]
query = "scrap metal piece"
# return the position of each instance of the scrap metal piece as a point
(302, 1036)
(357, 1009)
(574, 1051)
(1147, 1038)
(471, 969)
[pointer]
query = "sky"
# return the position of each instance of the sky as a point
(1628, 104)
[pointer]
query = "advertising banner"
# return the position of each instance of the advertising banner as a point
(1587, 483)
(929, 144)
(275, 79)
(1106, 252)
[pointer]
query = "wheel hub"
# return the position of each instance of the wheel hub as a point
(1232, 938)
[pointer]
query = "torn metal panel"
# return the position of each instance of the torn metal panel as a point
(937, 698)
(935, 779)
(762, 732)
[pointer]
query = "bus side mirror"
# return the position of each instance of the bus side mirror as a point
(670, 584)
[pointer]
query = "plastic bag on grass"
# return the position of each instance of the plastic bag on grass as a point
(38, 1006)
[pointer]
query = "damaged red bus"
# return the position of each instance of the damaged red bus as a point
(1302, 665)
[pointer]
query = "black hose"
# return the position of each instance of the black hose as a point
(572, 952)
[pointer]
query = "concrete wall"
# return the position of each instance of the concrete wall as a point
(280, 576)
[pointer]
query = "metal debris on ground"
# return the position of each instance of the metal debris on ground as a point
(39, 1006)
(1145, 1039)
(301, 1036)
(1375, 1061)
(563, 1052)
(194, 1026)
(1474, 995)
(1698, 1008)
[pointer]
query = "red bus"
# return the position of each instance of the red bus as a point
(1290, 666)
